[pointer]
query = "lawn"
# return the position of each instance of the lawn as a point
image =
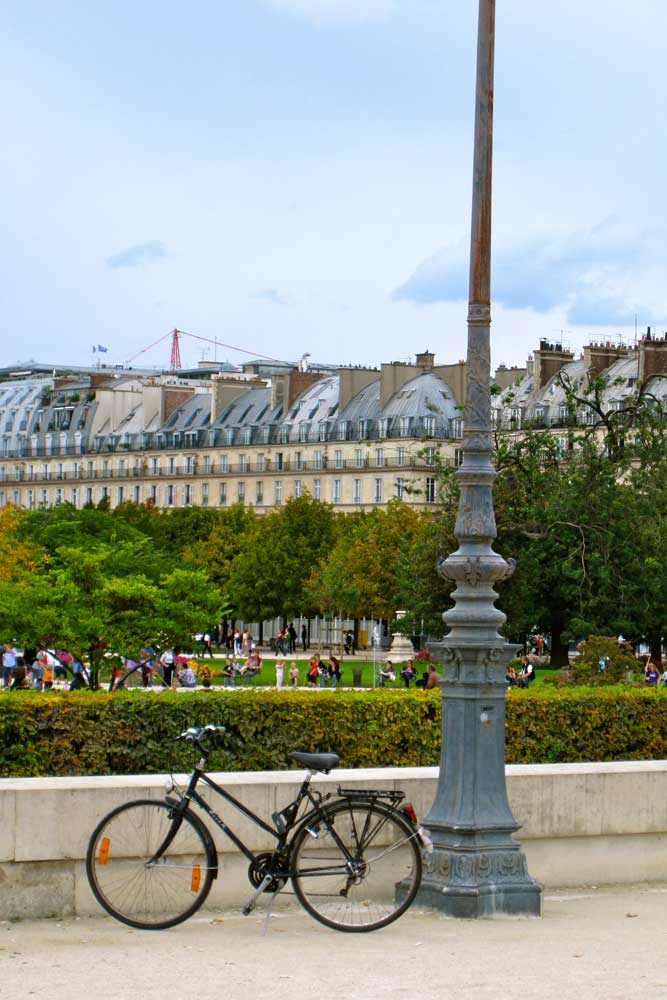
(369, 673)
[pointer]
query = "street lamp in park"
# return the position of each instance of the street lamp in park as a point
(476, 868)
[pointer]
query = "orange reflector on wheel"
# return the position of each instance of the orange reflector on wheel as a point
(103, 856)
(196, 878)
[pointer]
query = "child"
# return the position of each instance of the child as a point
(280, 670)
(294, 674)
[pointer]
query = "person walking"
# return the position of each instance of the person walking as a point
(304, 638)
(8, 663)
(291, 633)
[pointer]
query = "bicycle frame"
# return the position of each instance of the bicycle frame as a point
(286, 822)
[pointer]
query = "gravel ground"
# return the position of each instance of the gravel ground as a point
(593, 943)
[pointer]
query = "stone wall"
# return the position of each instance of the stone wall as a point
(582, 824)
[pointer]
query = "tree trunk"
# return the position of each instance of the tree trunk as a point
(559, 657)
(655, 646)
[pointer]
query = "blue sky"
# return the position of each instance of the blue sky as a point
(293, 176)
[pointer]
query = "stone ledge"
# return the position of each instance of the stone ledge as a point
(582, 824)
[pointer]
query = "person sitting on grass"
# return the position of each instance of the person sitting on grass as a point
(430, 680)
(313, 671)
(187, 677)
(527, 675)
(408, 673)
(387, 673)
(228, 673)
(204, 674)
(253, 665)
(19, 675)
(333, 671)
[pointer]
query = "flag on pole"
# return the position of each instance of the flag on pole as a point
(102, 349)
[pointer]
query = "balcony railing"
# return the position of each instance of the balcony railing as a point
(232, 469)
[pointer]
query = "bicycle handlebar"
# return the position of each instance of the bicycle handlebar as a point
(196, 735)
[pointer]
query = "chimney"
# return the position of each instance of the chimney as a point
(425, 360)
(652, 357)
(225, 390)
(600, 356)
(548, 360)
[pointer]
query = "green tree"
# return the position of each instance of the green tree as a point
(268, 576)
(93, 600)
(362, 574)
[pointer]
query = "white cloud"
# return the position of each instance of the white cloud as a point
(599, 277)
(336, 11)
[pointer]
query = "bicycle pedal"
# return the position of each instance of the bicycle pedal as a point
(247, 910)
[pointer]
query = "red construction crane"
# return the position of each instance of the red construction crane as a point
(175, 335)
(175, 351)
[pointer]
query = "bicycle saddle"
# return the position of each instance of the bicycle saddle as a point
(316, 761)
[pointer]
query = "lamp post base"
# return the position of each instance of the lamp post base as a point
(479, 883)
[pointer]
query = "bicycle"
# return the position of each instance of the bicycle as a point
(353, 857)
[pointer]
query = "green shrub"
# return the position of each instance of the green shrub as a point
(603, 660)
(133, 732)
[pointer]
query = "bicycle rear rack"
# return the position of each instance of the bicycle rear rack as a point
(363, 795)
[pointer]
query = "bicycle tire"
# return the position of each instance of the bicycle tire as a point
(150, 897)
(386, 852)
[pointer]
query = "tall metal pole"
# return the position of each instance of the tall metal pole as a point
(476, 867)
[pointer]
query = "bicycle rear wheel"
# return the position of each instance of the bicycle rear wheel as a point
(357, 865)
(151, 896)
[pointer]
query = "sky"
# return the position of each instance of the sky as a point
(294, 176)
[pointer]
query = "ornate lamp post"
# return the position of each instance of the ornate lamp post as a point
(476, 867)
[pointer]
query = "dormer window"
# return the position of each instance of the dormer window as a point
(341, 430)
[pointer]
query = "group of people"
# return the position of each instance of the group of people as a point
(286, 640)
(321, 674)
(430, 677)
(39, 669)
(522, 675)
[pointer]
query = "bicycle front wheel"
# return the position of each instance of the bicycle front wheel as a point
(136, 890)
(357, 865)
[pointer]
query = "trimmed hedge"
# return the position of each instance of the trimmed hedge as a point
(133, 733)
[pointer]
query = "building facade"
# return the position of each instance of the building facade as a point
(352, 437)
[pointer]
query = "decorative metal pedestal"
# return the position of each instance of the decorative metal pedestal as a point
(476, 868)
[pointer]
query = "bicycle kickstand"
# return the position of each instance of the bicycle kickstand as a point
(269, 911)
(250, 905)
